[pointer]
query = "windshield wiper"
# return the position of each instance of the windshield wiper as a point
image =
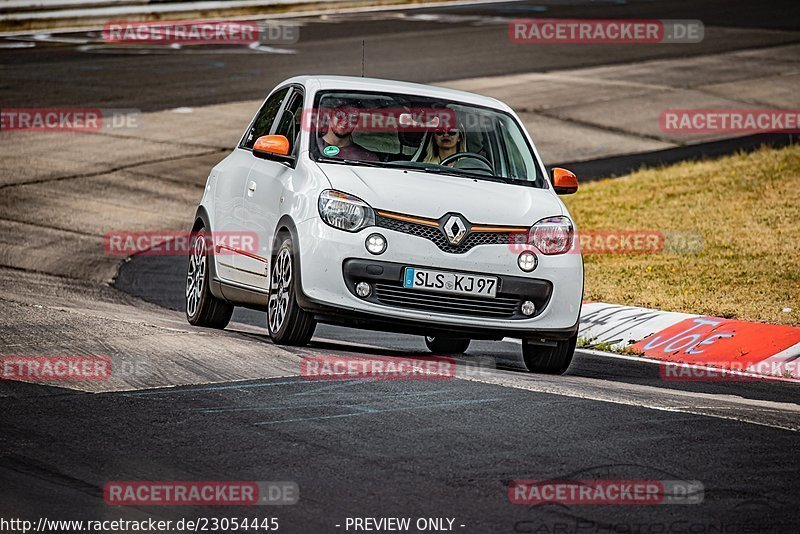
(350, 162)
(435, 170)
(450, 171)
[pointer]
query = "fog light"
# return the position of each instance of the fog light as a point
(363, 289)
(528, 308)
(527, 261)
(376, 244)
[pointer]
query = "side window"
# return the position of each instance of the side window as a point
(520, 161)
(265, 118)
(290, 121)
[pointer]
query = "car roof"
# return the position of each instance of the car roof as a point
(316, 83)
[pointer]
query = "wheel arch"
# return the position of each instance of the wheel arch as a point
(202, 220)
(287, 225)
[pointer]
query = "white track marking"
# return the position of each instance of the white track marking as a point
(781, 415)
(172, 49)
(17, 45)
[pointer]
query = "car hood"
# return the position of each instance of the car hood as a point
(431, 195)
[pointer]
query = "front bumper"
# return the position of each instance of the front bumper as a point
(386, 279)
(332, 261)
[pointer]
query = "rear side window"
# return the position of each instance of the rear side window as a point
(289, 123)
(265, 118)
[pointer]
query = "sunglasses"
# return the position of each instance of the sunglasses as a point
(446, 132)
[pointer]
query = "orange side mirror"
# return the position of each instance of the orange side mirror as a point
(267, 145)
(564, 182)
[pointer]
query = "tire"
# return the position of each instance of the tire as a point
(551, 360)
(203, 308)
(287, 322)
(447, 345)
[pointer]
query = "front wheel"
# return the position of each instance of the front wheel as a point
(549, 359)
(446, 345)
(287, 322)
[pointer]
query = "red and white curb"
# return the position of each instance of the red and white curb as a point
(694, 343)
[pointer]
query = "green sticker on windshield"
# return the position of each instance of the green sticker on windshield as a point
(330, 150)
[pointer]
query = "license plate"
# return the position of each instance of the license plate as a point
(447, 282)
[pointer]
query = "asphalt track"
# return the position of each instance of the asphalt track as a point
(422, 45)
(396, 448)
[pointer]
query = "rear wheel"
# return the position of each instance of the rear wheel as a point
(548, 359)
(447, 345)
(203, 308)
(287, 322)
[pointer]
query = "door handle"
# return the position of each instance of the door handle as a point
(251, 189)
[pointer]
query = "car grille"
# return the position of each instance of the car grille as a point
(500, 307)
(435, 234)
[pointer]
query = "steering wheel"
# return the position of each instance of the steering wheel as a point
(459, 155)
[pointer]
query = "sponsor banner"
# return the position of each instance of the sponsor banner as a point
(698, 347)
(67, 119)
(194, 493)
(605, 31)
(725, 343)
(377, 368)
(616, 492)
(707, 121)
(200, 32)
(68, 368)
(175, 243)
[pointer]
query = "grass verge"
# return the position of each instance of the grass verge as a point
(741, 215)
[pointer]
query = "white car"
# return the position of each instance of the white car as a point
(392, 206)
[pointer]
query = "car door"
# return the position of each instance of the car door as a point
(228, 216)
(265, 192)
(231, 192)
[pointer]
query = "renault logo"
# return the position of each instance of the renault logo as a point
(454, 229)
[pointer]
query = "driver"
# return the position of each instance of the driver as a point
(444, 143)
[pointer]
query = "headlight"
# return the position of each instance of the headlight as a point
(344, 211)
(552, 235)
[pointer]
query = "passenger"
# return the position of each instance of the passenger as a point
(342, 120)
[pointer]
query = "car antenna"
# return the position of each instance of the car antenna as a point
(362, 58)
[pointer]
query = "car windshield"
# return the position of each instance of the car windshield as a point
(423, 134)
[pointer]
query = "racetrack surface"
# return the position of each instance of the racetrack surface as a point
(425, 45)
(230, 405)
